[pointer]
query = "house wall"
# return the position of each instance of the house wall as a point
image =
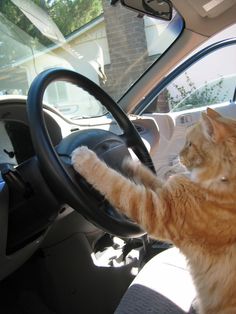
(127, 48)
(86, 54)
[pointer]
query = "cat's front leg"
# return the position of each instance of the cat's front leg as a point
(123, 194)
(141, 174)
(138, 202)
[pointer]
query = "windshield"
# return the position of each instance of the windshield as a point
(110, 45)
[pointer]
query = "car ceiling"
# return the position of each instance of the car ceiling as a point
(206, 17)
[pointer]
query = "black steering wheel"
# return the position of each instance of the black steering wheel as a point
(55, 165)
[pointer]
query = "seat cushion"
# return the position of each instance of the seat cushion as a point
(164, 285)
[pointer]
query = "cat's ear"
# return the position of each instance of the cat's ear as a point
(213, 127)
(212, 113)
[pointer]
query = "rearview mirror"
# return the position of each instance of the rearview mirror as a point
(161, 9)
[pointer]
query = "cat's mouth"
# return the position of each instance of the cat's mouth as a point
(185, 162)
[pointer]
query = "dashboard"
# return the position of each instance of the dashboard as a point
(15, 141)
(24, 221)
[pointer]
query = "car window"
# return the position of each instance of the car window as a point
(110, 45)
(213, 92)
(209, 81)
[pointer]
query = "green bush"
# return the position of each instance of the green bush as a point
(189, 96)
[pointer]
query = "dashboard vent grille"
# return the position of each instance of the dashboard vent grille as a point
(139, 128)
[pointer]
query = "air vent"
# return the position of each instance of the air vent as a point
(139, 128)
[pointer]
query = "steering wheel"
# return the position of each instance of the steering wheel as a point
(55, 165)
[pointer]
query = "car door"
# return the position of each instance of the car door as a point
(207, 80)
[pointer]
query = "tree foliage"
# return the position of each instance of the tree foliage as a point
(68, 15)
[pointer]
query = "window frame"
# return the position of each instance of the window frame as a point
(154, 93)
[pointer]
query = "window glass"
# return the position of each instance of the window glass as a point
(110, 45)
(72, 101)
(212, 92)
(209, 81)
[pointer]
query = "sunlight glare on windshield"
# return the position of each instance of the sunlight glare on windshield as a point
(108, 44)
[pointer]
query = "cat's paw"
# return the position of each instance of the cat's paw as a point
(130, 166)
(81, 157)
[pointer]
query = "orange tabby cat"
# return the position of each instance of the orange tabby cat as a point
(196, 214)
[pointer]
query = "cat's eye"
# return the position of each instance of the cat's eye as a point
(188, 144)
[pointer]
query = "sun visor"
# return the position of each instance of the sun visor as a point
(211, 8)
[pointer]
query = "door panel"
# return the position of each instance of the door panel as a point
(172, 127)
